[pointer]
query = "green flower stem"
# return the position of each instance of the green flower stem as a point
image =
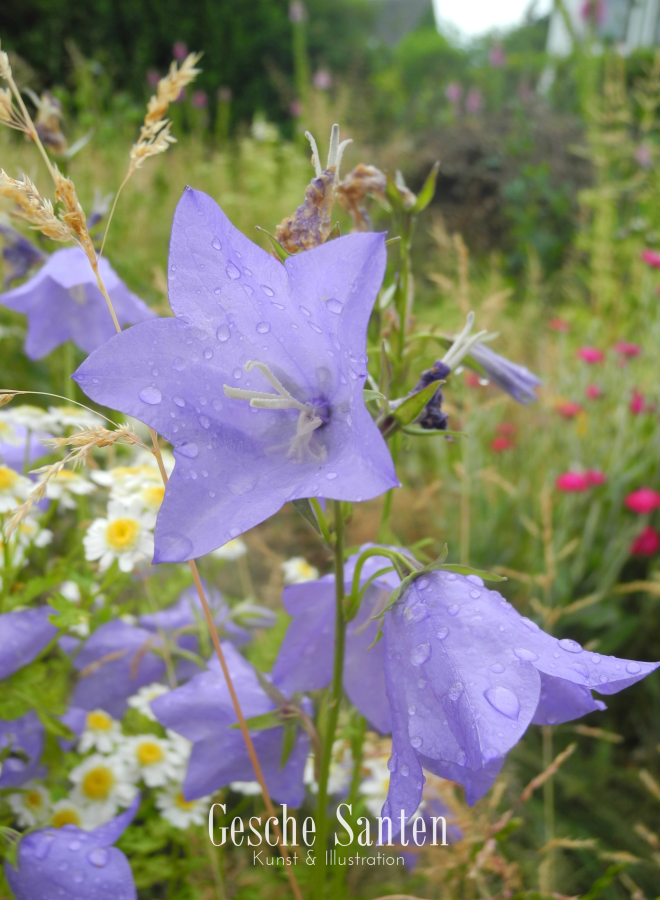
(333, 706)
(68, 368)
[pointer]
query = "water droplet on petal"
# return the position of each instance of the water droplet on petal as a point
(189, 450)
(420, 654)
(489, 754)
(216, 404)
(269, 292)
(475, 580)
(331, 476)
(412, 709)
(150, 395)
(405, 771)
(498, 668)
(335, 306)
(391, 763)
(234, 532)
(421, 683)
(596, 658)
(570, 646)
(504, 701)
(242, 483)
(442, 634)
(263, 327)
(581, 670)
(475, 594)
(417, 612)
(416, 742)
(204, 422)
(154, 372)
(318, 330)
(179, 401)
(41, 844)
(633, 668)
(215, 243)
(78, 878)
(179, 364)
(237, 373)
(208, 353)
(304, 311)
(233, 271)
(75, 845)
(603, 679)
(454, 609)
(223, 333)
(422, 583)
(527, 655)
(531, 625)
(98, 857)
(451, 577)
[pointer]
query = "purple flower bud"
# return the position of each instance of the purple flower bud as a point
(432, 416)
(515, 380)
(180, 51)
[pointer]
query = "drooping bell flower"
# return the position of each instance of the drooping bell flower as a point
(257, 382)
(62, 303)
(305, 658)
(67, 862)
(466, 675)
(23, 635)
(202, 712)
(513, 379)
(643, 501)
(25, 736)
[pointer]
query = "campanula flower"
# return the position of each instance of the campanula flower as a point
(25, 736)
(647, 542)
(19, 254)
(23, 635)
(80, 865)
(257, 382)
(466, 675)
(202, 712)
(513, 379)
(643, 501)
(62, 303)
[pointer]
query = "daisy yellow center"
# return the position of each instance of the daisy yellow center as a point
(122, 534)
(182, 803)
(5, 429)
(149, 753)
(153, 496)
(65, 817)
(34, 799)
(8, 478)
(97, 783)
(98, 721)
(65, 475)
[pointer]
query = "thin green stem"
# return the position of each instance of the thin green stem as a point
(68, 366)
(546, 871)
(333, 707)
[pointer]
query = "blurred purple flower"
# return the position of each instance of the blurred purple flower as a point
(19, 254)
(203, 713)
(25, 735)
(12, 446)
(296, 109)
(474, 102)
(257, 382)
(115, 662)
(23, 635)
(593, 12)
(644, 156)
(297, 11)
(304, 662)
(80, 865)
(454, 92)
(75, 718)
(153, 77)
(62, 303)
(497, 56)
(515, 380)
(200, 99)
(466, 675)
(180, 51)
(322, 80)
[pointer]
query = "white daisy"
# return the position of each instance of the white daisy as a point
(101, 733)
(247, 788)
(230, 551)
(181, 747)
(102, 785)
(151, 758)
(180, 812)
(124, 481)
(297, 570)
(151, 496)
(376, 785)
(125, 535)
(62, 417)
(64, 486)
(67, 812)
(31, 532)
(142, 700)
(14, 489)
(70, 590)
(8, 433)
(34, 418)
(31, 805)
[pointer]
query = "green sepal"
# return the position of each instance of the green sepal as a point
(288, 740)
(428, 190)
(373, 395)
(12, 839)
(282, 254)
(468, 570)
(304, 507)
(263, 722)
(393, 194)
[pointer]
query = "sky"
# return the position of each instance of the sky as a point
(473, 17)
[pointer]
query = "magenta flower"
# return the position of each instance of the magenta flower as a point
(454, 92)
(153, 77)
(643, 501)
(559, 325)
(257, 382)
(474, 102)
(200, 99)
(591, 355)
(647, 543)
(568, 409)
(593, 392)
(572, 482)
(57, 863)
(636, 404)
(23, 635)
(595, 477)
(625, 348)
(179, 51)
(62, 303)
(296, 109)
(466, 675)
(651, 258)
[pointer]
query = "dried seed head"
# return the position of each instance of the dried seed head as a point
(47, 123)
(5, 68)
(73, 215)
(353, 190)
(33, 208)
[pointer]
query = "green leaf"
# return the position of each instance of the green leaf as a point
(416, 431)
(468, 570)
(335, 233)
(277, 247)
(394, 194)
(373, 395)
(288, 740)
(53, 725)
(412, 406)
(262, 722)
(428, 190)
(304, 507)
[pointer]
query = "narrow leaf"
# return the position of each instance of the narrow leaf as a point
(304, 507)
(412, 406)
(468, 570)
(263, 722)
(288, 741)
(277, 247)
(393, 194)
(373, 395)
(428, 190)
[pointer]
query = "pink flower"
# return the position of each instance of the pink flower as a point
(593, 392)
(453, 92)
(591, 355)
(636, 405)
(623, 348)
(297, 11)
(472, 379)
(651, 258)
(644, 156)
(322, 80)
(595, 477)
(647, 543)
(569, 409)
(507, 429)
(559, 325)
(296, 109)
(643, 501)
(180, 51)
(200, 100)
(224, 94)
(153, 77)
(497, 56)
(499, 444)
(572, 482)
(474, 102)
(593, 11)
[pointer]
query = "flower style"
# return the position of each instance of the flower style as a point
(152, 759)
(31, 805)
(304, 661)
(101, 785)
(297, 570)
(142, 699)
(66, 485)
(647, 543)
(124, 535)
(23, 635)
(591, 355)
(68, 862)
(642, 501)
(257, 382)
(14, 489)
(513, 379)
(202, 712)
(466, 674)
(26, 735)
(101, 732)
(62, 303)
(178, 811)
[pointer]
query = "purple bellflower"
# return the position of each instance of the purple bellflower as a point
(23, 635)
(25, 736)
(19, 254)
(62, 303)
(13, 449)
(432, 417)
(257, 382)
(202, 712)
(79, 865)
(304, 661)
(515, 380)
(466, 675)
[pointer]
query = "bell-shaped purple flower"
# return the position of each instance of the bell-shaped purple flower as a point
(466, 675)
(77, 865)
(13, 451)
(114, 663)
(515, 380)
(62, 303)
(202, 712)
(23, 635)
(19, 254)
(257, 382)
(25, 737)
(305, 658)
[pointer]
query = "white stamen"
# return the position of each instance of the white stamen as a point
(335, 152)
(316, 160)
(463, 342)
